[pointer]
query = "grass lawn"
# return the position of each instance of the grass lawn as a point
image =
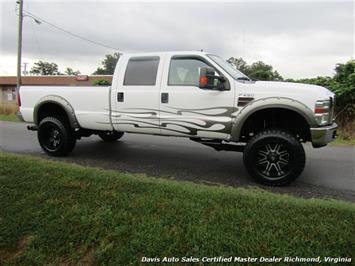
(12, 118)
(53, 213)
(343, 142)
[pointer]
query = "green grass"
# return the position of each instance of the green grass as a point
(341, 141)
(52, 213)
(12, 118)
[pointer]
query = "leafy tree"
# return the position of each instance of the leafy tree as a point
(345, 79)
(108, 65)
(240, 64)
(261, 71)
(71, 72)
(258, 70)
(45, 68)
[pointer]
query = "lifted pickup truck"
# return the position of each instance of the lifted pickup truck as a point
(189, 94)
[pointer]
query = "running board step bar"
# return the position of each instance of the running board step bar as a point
(219, 145)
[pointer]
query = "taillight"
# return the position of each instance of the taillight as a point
(18, 99)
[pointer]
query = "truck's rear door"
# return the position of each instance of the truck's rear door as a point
(135, 94)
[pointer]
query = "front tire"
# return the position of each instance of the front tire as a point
(274, 157)
(110, 136)
(55, 136)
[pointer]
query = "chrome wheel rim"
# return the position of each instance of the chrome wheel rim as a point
(273, 160)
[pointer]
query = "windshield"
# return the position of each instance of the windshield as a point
(229, 68)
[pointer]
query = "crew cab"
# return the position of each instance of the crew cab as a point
(196, 95)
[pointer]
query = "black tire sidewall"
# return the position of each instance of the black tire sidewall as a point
(294, 147)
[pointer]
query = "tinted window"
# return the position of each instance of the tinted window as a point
(185, 71)
(141, 71)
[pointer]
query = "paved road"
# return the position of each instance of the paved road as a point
(329, 172)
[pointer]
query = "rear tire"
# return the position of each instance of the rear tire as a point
(55, 136)
(110, 136)
(274, 157)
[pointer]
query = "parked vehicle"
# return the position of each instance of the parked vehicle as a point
(189, 94)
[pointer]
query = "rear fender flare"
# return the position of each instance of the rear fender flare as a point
(60, 101)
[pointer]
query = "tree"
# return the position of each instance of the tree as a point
(45, 68)
(108, 65)
(71, 72)
(345, 79)
(240, 64)
(258, 70)
(261, 71)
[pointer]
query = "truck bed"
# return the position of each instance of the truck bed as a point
(91, 104)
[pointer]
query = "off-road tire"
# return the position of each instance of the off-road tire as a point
(274, 157)
(110, 136)
(55, 136)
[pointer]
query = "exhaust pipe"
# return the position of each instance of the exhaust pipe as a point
(32, 128)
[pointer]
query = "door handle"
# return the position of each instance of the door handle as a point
(164, 97)
(120, 96)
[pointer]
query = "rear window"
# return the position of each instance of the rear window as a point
(141, 71)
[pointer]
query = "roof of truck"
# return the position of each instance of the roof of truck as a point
(166, 53)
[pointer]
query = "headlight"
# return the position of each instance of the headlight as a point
(322, 112)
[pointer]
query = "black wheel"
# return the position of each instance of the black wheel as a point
(55, 136)
(110, 136)
(274, 157)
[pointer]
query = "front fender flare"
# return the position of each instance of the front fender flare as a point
(58, 100)
(266, 103)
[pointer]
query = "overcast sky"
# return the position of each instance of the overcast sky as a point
(299, 38)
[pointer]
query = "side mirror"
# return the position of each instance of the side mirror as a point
(209, 81)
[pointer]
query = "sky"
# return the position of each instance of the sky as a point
(299, 39)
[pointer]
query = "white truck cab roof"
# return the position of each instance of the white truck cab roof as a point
(165, 53)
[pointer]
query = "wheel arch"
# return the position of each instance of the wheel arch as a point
(265, 104)
(58, 103)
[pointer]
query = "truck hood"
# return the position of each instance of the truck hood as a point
(298, 91)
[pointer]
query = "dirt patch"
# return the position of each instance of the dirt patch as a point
(75, 184)
(88, 259)
(11, 254)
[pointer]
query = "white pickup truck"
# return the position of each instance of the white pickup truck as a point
(189, 94)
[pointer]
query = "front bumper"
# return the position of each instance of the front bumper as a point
(321, 136)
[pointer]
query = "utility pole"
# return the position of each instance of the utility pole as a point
(19, 43)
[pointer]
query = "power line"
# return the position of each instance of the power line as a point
(69, 32)
(36, 39)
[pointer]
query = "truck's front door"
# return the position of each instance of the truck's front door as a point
(187, 110)
(135, 99)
